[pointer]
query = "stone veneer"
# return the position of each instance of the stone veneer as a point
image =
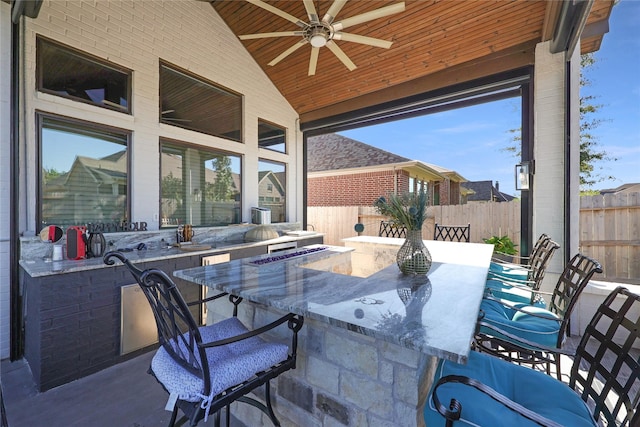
(342, 378)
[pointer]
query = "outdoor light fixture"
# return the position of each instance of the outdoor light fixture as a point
(523, 176)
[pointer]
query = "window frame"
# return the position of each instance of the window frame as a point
(176, 69)
(201, 147)
(90, 58)
(284, 130)
(41, 116)
(272, 197)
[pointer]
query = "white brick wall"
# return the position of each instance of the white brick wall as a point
(5, 161)
(137, 35)
(549, 116)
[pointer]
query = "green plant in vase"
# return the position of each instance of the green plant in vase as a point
(408, 210)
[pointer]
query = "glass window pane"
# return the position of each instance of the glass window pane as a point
(84, 174)
(193, 103)
(272, 187)
(199, 187)
(72, 74)
(271, 136)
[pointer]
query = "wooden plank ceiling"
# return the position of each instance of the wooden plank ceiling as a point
(435, 43)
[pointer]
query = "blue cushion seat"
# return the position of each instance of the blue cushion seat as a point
(514, 294)
(531, 328)
(230, 364)
(508, 271)
(532, 389)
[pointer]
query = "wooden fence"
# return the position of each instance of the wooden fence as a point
(610, 233)
(486, 219)
(609, 227)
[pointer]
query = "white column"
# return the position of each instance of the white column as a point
(5, 178)
(549, 153)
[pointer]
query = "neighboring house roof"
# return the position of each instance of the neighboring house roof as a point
(322, 153)
(485, 191)
(452, 175)
(624, 188)
(322, 156)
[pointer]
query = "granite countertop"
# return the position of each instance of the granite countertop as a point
(435, 314)
(40, 267)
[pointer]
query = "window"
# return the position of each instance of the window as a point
(193, 103)
(83, 173)
(271, 136)
(272, 188)
(199, 186)
(66, 72)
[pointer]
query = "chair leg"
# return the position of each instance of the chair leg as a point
(228, 415)
(267, 397)
(558, 371)
(174, 414)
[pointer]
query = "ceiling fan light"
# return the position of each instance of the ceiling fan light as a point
(318, 40)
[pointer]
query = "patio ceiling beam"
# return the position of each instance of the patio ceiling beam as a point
(495, 63)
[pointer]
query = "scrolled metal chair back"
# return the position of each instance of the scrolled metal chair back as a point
(572, 281)
(605, 361)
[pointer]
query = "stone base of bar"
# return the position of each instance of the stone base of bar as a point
(342, 378)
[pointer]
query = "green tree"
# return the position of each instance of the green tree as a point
(50, 174)
(590, 154)
(223, 185)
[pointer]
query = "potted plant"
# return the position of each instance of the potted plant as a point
(408, 210)
(503, 247)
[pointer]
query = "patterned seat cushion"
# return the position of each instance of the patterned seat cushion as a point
(532, 389)
(229, 365)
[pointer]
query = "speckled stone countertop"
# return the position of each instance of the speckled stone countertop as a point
(435, 314)
(38, 267)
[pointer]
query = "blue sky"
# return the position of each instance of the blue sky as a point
(470, 140)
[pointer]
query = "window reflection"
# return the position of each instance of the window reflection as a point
(193, 103)
(73, 74)
(199, 187)
(272, 188)
(84, 175)
(271, 136)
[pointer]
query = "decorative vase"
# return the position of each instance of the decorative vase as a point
(413, 256)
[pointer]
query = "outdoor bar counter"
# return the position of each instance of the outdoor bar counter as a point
(372, 335)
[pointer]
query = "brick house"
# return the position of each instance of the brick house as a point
(362, 173)
(486, 191)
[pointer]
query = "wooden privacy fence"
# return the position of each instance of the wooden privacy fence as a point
(486, 219)
(609, 227)
(610, 233)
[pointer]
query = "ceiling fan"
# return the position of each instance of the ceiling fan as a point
(322, 32)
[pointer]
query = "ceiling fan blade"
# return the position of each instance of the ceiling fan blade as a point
(369, 16)
(341, 55)
(311, 10)
(355, 38)
(333, 11)
(288, 52)
(276, 11)
(313, 61)
(268, 35)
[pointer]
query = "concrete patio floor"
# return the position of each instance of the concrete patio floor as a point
(123, 395)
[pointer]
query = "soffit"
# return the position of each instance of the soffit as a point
(435, 44)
